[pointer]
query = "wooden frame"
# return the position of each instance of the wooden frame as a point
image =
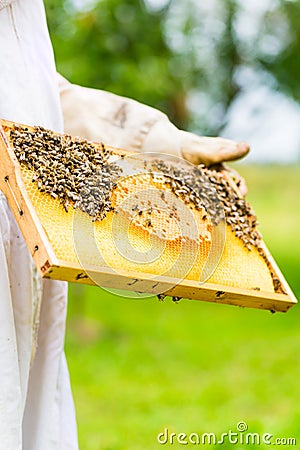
(12, 185)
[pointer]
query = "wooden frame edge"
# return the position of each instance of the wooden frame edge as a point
(48, 263)
(175, 288)
(12, 186)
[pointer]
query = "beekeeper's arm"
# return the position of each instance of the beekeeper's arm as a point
(125, 123)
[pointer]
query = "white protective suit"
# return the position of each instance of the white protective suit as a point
(36, 406)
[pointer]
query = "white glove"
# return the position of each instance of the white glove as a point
(5, 3)
(165, 137)
(125, 123)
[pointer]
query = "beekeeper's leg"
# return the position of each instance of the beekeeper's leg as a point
(49, 421)
(19, 304)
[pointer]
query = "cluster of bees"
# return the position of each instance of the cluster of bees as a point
(82, 175)
(207, 189)
(71, 170)
(79, 174)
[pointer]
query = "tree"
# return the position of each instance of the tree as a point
(119, 46)
(187, 58)
(281, 58)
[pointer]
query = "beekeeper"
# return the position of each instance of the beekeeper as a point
(36, 406)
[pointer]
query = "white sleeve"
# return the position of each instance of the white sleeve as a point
(121, 122)
(98, 115)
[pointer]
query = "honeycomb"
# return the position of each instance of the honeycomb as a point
(124, 241)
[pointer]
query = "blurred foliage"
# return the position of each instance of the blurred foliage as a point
(119, 46)
(190, 59)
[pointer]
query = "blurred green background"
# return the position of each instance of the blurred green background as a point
(138, 366)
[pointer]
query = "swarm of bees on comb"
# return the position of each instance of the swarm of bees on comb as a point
(83, 175)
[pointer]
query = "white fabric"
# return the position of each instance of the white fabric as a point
(5, 3)
(98, 115)
(36, 406)
(125, 123)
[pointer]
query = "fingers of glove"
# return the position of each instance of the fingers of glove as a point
(210, 150)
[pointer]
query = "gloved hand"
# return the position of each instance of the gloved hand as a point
(124, 123)
(164, 137)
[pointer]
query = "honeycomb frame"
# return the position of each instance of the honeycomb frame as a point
(40, 244)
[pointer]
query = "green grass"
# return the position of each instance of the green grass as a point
(138, 366)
